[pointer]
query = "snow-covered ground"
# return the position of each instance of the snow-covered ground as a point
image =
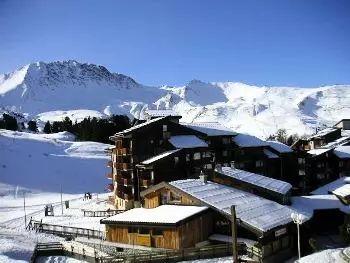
(34, 167)
(52, 91)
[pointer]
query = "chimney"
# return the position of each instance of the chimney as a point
(203, 177)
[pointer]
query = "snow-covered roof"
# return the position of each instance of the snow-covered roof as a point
(325, 256)
(342, 151)
(338, 142)
(141, 125)
(159, 156)
(252, 210)
(210, 128)
(323, 132)
(187, 141)
(257, 179)
(330, 187)
(164, 214)
(161, 113)
(279, 147)
(306, 205)
(342, 191)
(270, 154)
(318, 151)
(246, 140)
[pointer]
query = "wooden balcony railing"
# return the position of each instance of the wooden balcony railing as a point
(127, 196)
(109, 164)
(123, 151)
(123, 166)
(124, 181)
(109, 176)
(111, 199)
(145, 183)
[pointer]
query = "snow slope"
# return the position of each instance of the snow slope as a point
(47, 161)
(51, 91)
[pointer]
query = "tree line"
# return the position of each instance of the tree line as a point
(89, 129)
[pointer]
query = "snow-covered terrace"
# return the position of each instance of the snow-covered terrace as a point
(187, 141)
(319, 151)
(254, 211)
(210, 128)
(271, 184)
(159, 156)
(164, 214)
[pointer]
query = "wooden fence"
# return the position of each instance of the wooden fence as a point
(47, 249)
(60, 230)
(212, 251)
(103, 213)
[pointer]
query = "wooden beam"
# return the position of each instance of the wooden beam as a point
(234, 234)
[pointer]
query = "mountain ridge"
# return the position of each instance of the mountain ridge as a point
(50, 91)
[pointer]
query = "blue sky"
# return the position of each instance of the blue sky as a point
(270, 42)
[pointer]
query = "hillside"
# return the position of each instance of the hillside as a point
(51, 91)
(44, 162)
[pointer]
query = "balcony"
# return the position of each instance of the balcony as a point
(124, 181)
(123, 151)
(110, 164)
(111, 199)
(110, 187)
(109, 176)
(145, 183)
(127, 196)
(123, 166)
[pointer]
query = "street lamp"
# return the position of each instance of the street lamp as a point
(298, 220)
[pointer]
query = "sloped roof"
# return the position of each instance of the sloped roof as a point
(330, 187)
(164, 214)
(270, 154)
(257, 212)
(318, 151)
(139, 126)
(187, 141)
(210, 128)
(271, 184)
(342, 151)
(159, 156)
(279, 147)
(161, 113)
(342, 191)
(323, 132)
(246, 140)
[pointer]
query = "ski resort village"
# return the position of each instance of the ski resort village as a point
(164, 190)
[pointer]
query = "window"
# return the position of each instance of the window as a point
(188, 157)
(320, 176)
(301, 172)
(320, 165)
(341, 164)
(132, 230)
(157, 232)
(207, 154)
(143, 231)
(225, 140)
(196, 156)
(208, 166)
(224, 153)
(176, 160)
(301, 160)
(165, 128)
(259, 163)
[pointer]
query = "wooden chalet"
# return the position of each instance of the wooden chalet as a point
(266, 223)
(165, 226)
(269, 158)
(341, 161)
(260, 185)
(144, 150)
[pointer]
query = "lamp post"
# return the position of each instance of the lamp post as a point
(298, 220)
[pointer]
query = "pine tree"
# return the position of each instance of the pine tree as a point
(10, 122)
(32, 126)
(47, 127)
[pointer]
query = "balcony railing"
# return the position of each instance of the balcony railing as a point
(109, 176)
(109, 164)
(123, 166)
(123, 151)
(124, 181)
(110, 187)
(111, 199)
(145, 183)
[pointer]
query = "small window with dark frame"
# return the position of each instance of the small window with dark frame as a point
(144, 231)
(132, 230)
(157, 232)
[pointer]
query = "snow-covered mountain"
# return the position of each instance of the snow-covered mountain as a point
(51, 91)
